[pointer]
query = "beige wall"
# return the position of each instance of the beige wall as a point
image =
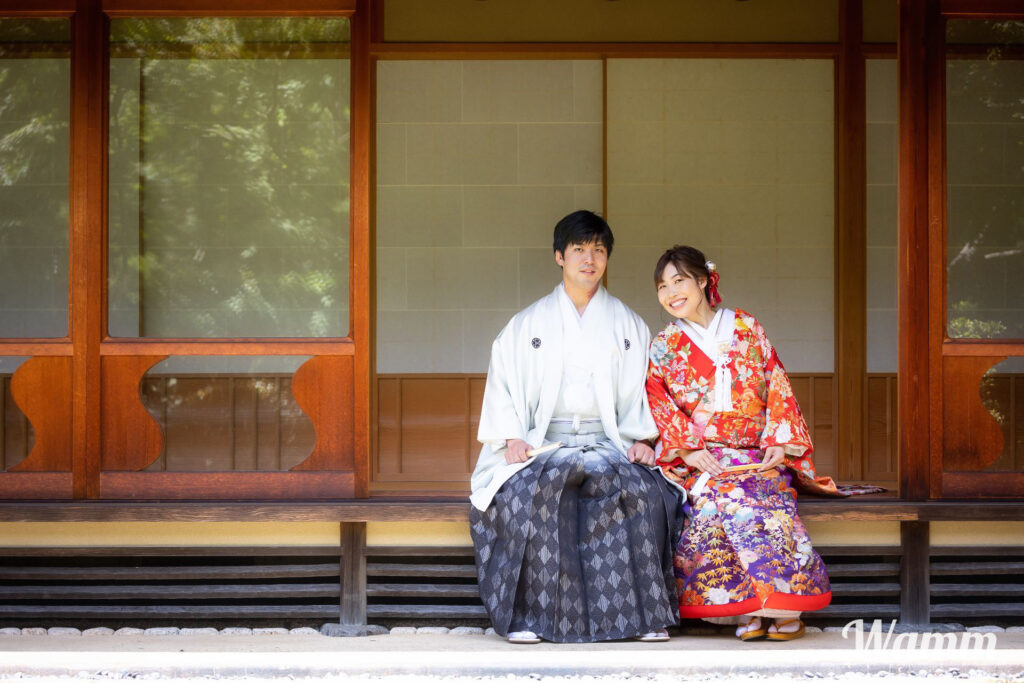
(734, 157)
(881, 214)
(476, 162)
(600, 20)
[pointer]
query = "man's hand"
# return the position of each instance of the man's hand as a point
(642, 453)
(773, 457)
(703, 460)
(515, 451)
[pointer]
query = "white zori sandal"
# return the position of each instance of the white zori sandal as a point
(658, 635)
(523, 638)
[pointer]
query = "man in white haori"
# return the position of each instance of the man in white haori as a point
(573, 525)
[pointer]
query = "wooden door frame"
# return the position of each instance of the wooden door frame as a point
(922, 246)
(89, 346)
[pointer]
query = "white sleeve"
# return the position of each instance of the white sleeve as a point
(499, 417)
(634, 413)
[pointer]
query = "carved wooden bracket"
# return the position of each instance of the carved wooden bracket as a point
(973, 439)
(41, 386)
(132, 439)
(323, 389)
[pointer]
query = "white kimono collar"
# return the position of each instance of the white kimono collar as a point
(595, 307)
(715, 341)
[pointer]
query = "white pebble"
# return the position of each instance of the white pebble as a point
(403, 631)
(10, 631)
(986, 629)
(208, 631)
(467, 631)
(98, 631)
(236, 631)
(270, 631)
(33, 631)
(432, 630)
(162, 631)
(812, 629)
(490, 631)
(1015, 629)
(128, 631)
(63, 631)
(304, 631)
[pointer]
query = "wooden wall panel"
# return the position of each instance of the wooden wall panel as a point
(822, 424)
(323, 388)
(880, 428)
(15, 430)
(41, 386)
(435, 423)
(426, 428)
(972, 438)
(131, 438)
(389, 417)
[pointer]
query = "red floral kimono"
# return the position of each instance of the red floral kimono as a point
(744, 549)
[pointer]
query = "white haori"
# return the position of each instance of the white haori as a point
(715, 341)
(524, 381)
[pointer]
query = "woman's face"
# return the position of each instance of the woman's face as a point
(680, 294)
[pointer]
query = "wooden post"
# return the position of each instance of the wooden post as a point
(851, 245)
(915, 574)
(353, 573)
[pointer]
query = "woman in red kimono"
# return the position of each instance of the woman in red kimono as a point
(733, 437)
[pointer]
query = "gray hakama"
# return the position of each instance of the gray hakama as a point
(577, 546)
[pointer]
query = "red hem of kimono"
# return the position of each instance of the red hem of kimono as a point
(786, 601)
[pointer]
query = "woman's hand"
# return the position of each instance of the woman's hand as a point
(515, 451)
(703, 461)
(641, 453)
(773, 457)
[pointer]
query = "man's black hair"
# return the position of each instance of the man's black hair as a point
(583, 227)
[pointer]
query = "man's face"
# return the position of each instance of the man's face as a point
(583, 265)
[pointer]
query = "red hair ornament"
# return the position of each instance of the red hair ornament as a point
(714, 297)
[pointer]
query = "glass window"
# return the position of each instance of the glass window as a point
(229, 177)
(34, 176)
(985, 179)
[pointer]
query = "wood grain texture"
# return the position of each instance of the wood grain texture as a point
(353, 573)
(598, 50)
(915, 574)
(35, 486)
(41, 386)
(851, 243)
(982, 9)
(170, 486)
(87, 271)
(227, 347)
(132, 439)
(227, 7)
(37, 8)
(983, 485)
(972, 438)
(363, 249)
(323, 389)
(914, 392)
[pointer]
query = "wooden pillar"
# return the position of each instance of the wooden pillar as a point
(851, 244)
(914, 299)
(353, 573)
(88, 216)
(915, 573)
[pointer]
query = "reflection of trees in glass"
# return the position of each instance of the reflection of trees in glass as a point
(34, 103)
(985, 99)
(242, 174)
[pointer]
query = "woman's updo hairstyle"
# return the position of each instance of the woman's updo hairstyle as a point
(691, 261)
